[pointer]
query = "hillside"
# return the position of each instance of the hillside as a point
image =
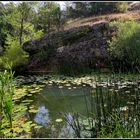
(82, 44)
(109, 17)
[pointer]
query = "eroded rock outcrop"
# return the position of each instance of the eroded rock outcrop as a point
(82, 46)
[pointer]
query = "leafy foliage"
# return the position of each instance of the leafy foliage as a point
(125, 47)
(101, 7)
(121, 6)
(85, 9)
(23, 30)
(5, 26)
(50, 17)
(13, 54)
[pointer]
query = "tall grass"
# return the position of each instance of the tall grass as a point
(6, 94)
(114, 117)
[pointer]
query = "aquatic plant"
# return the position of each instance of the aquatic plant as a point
(104, 102)
(6, 94)
(111, 119)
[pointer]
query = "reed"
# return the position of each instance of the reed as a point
(6, 96)
(112, 118)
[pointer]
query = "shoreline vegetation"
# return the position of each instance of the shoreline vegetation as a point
(71, 73)
(25, 88)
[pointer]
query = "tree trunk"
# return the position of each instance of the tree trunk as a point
(21, 32)
(59, 22)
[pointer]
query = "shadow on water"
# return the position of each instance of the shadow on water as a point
(81, 111)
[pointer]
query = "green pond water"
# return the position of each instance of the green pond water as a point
(53, 102)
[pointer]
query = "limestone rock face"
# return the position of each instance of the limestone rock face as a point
(84, 46)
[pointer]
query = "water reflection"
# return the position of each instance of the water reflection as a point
(95, 103)
(67, 130)
(58, 103)
(42, 116)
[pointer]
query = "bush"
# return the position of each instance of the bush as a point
(108, 7)
(121, 6)
(125, 46)
(13, 54)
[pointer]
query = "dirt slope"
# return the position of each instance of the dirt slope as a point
(109, 17)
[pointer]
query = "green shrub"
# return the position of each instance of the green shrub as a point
(121, 6)
(125, 46)
(108, 7)
(13, 54)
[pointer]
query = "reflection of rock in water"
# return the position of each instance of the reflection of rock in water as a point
(67, 130)
(42, 117)
(61, 129)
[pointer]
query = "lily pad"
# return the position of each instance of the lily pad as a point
(59, 120)
(127, 91)
(33, 110)
(33, 91)
(29, 95)
(68, 85)
(60, 87)
(27, 101)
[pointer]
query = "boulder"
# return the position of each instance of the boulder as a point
(80, 46)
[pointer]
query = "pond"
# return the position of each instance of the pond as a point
(52, 102)
(56, 105)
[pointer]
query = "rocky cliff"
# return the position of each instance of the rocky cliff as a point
(84, 46)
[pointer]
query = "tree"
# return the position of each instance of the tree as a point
(19, 16)
(59, 18)
(81, 9)
(50, 17)
(107, 7)
(1, 8)
(68, 6)
(23, 8)
(86, 9)
(76, 9)
(5, 27)
(20, 19)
